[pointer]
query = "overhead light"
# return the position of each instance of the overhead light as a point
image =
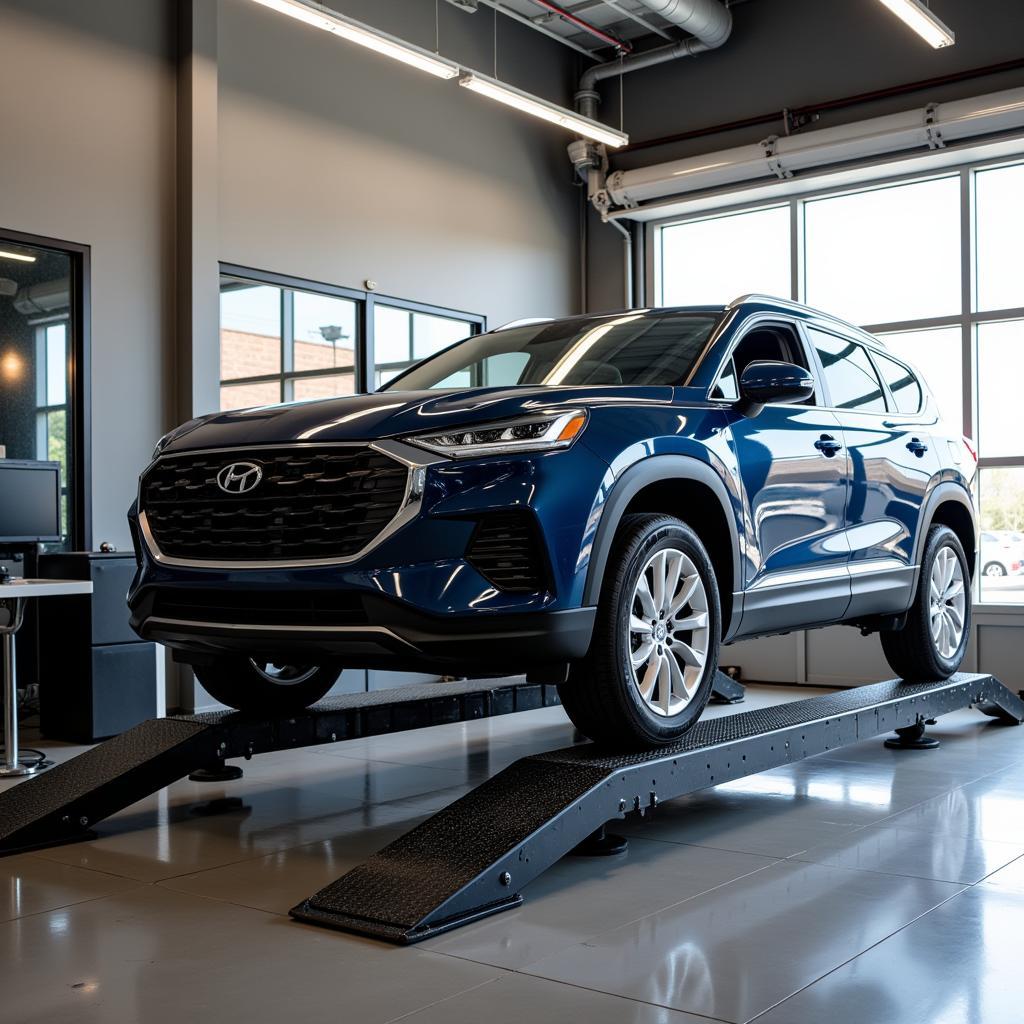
(21, 257)
(356, 32)
(922, 21)
(513, 97)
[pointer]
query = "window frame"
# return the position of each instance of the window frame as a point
(967, 319)
(76, 484)
(754, 322)
(365, 302)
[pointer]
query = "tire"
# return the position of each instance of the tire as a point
(602, 695)
(265, 688)
(994, 570)
(915, 652)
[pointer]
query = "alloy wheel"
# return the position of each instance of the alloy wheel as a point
(668, 632)
(283, 675)
(947, 602)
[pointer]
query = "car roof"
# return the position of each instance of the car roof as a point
(753, 302)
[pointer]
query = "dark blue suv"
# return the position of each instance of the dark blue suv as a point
(597, 501)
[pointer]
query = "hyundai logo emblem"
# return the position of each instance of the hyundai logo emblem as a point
(239, 477)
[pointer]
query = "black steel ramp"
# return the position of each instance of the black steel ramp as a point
(63, 804)
(472, 858)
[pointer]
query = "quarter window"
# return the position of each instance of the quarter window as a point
(851, 379)
(903, 385)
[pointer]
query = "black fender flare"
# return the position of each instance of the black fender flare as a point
(651, 470)
(945, 491)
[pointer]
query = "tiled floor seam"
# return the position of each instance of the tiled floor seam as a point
(867, 949)
(75, 903)
(448, 998)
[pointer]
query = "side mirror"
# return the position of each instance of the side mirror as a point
(765, 381)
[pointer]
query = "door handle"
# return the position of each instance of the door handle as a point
(917, 446)
(827, 445)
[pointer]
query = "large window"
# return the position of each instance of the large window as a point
(898, 259)
(715, 260)
(283, 340)
(402, 336)
(280, 344)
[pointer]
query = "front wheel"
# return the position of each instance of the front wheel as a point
(994, 570)
(932, 643)
(257, 686)
(652, 661)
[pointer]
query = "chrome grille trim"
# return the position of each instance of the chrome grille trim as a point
(415, 460)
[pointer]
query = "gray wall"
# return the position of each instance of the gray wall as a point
(339, 165)
(87, 112)
(334, 164)
(794, 53)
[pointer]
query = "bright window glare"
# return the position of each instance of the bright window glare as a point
(937, 355)
(712, 262)
(1000, 237)
(886, 255)
(1000, 370)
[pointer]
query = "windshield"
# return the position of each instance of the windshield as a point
(629, 348)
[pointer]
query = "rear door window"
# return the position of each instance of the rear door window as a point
(851, 379)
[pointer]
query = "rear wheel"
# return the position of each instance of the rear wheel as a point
(258, 686)
(994, 570)
(652, 661)
(932, 643)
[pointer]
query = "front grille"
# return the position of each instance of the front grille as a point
(310, 503)
(256, 607)
(506, 551)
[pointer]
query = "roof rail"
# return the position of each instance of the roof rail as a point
(803, 307)
(761, 296)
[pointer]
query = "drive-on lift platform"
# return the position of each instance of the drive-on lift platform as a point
(472, 858)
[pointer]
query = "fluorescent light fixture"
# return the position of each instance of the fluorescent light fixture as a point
(546, 111)
(922, 21)
(324, 18)
(21, 257)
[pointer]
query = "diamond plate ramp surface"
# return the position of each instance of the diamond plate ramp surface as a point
(60, 805)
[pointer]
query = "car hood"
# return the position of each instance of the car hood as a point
(395, 413)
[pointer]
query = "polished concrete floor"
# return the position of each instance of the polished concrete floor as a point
(863, 886)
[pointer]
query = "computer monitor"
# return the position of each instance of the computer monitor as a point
(29, 502)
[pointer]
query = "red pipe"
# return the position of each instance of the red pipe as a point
(619, 44)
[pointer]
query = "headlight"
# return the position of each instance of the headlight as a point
(525, 434)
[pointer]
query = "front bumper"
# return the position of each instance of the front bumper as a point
(413, 600)
(411, 641)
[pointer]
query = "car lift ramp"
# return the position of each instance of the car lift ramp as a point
(472, 858)
(61, 805)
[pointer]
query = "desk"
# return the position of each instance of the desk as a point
(13, 595)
